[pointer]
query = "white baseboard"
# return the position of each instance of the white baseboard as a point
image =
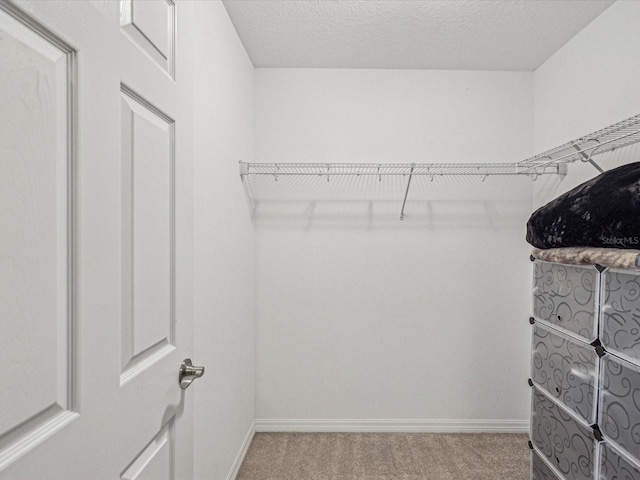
(435, 426)
(242, 452)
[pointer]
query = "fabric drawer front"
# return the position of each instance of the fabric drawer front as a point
(619, 416)
(565, 441)
(620, 315)
(614, 465)
(566, 296)
(540, 470)
(567, 370)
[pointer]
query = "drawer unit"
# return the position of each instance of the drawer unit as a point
(567, 370)
(566, 297)
(620, 314)
(614, 465)
(619, 415)
(585, 367)
(566, 442)
(540, 470)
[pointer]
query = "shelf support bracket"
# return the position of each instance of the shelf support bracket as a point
(244, 174)
(587, 158)
(404, 202)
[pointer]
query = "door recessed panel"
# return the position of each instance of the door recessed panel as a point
(151, 26)
(36, 225)
(153, 19)
(155, 461)
(147, 232)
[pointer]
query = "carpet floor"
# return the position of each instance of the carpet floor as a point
(386, 456)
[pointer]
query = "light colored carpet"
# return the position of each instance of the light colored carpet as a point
(386, 456)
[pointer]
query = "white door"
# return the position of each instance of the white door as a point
(95, 239)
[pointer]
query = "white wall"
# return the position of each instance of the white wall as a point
(588, 84)
(361, 316)
(224, 244)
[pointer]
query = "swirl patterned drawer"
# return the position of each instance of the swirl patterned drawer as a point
(620, 315)
(615, 466)
(567, 443)
(566, 297)
(619, 416)
(540, 470)
(567, 370)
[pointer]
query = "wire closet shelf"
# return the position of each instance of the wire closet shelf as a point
(385, 169)
(550, 162)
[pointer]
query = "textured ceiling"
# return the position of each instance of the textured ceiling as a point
(417, 34)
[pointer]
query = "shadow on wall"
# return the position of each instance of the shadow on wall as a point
(370, 214)
(376, 203)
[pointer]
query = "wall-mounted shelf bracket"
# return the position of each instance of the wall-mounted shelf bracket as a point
(587, 158)
(406, 193)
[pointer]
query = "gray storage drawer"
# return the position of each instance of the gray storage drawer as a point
(566, 297)
(567, 443)
(614, 465)
(620, 314)
(619, 416)
(540, 470)
(567, 370)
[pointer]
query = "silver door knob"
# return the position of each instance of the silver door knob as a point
(188, 373)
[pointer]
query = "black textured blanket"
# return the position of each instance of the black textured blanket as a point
(603, 212)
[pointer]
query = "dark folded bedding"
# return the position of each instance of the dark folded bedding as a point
(603, 212)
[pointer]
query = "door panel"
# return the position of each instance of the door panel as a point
(96, 265)
(151, 26)
(147, 233)
(36, 309)
(155, 462)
